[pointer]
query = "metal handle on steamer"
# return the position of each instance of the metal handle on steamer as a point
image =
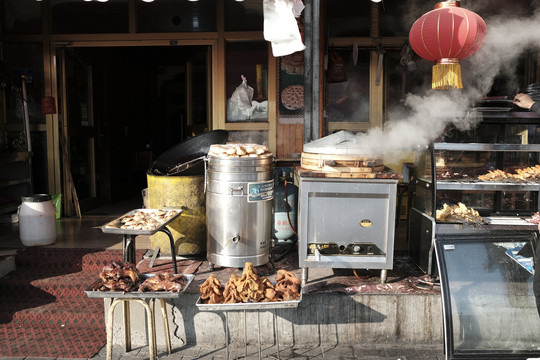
(237, 188)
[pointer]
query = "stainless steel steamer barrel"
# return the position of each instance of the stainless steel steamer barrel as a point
(239, 195)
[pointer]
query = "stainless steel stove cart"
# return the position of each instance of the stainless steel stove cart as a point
(346, 223)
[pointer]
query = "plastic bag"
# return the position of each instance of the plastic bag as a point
(280, 27)
(243, 95)
(240, 105)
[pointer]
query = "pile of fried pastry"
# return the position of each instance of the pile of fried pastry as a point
(250, 288)
(525, 174)
(239, 150)
(459, 213)
(118, 276)
(143, 220)
(125, 277)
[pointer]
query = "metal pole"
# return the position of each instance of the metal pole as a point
(311, 70)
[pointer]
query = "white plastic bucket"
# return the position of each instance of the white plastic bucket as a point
(37, 220)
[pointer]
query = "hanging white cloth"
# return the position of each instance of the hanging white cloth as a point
(280, 27)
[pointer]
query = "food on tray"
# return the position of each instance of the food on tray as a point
(530, 173)
(239, 150)
(164, 282)
(447, 175)
(495, 175)
(250, 288)
(287, 286)
(459, 213)
(143, 220)
(118, 276)
(524, 174)
(211, 291)
(535, 219)
(292, 97)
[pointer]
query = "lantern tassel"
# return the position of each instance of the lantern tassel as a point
(447, 75)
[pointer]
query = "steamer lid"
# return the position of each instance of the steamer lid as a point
(340, 143)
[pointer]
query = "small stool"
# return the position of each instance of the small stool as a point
(149, 307)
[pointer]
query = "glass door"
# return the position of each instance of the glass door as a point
(487, 290)
(77, 131)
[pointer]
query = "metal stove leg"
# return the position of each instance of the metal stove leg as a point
(304, 276)
(384, 274)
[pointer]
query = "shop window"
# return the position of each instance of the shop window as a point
(249, 60)
(348, 18)
(243, 16)
(20, 17)
(176, 16)
(348, 86)
(81, 17)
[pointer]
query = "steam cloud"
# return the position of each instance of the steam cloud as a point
(432, 112)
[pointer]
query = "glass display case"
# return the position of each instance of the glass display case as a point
(493, 179)
(487, 294)
(470, 226)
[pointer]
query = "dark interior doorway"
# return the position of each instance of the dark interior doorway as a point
(145, 100)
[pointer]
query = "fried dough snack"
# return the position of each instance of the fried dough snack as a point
(118, 276)
(525, 174)
(252, 288)
(211, 291)
(164, 282)
(459, 213)
(495, 175)
(287, 286)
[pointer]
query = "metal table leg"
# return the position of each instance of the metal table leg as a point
(277, 332)
(128, 248)
(173, 250)
(151, 327)
(127, 326)
(245, 335)
(226, 335)
(166, 325)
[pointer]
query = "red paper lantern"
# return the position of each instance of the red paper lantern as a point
(445, 35)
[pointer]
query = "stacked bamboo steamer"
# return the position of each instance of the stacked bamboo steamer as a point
(339, 155)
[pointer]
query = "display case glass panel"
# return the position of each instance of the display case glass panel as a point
(488, 300)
